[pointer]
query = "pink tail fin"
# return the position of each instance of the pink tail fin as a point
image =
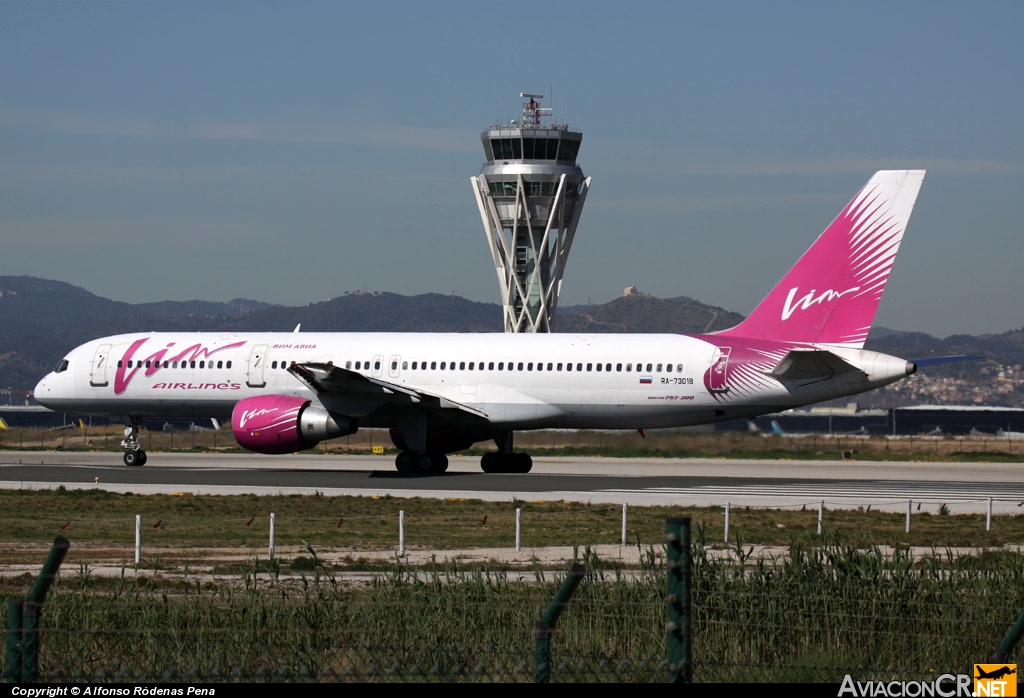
(831, 294)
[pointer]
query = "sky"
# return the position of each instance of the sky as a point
(292, 152)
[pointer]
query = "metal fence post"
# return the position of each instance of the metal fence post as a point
(728, 511)
(30, 641)
(910, 504)
(679, 627)
(14, 639)
(273, 533)
(988, 516)
(519, 530)
(401, 533)
(821, 517)
(33, 608)
(138, 538)
(543, 629)
(625, 515)
(1002, 653)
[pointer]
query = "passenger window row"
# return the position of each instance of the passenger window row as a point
(580, 367)
(639, 367)
(149, 363)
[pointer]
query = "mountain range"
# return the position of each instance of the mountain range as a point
(41, 319)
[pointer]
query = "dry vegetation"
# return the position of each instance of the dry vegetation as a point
(666, 443)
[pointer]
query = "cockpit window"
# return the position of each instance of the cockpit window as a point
(63, 366)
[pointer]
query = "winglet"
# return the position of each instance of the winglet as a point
(830, 296)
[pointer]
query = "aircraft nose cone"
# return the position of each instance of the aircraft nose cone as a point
(41, 392)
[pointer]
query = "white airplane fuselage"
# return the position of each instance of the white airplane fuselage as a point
(440, 393)
(518, 381)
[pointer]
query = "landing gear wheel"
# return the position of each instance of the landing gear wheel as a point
(426, 463)
(134, 455)
(521, 463)
(506, 463)
(135, 458)
(490, 463)
(431, 463)
(406, 462)
(438, 462)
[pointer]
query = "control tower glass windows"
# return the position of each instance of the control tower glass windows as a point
(569, 150)
(532, 188)
(498, 147)
(502, 188)
(507, 148)
(556, 147)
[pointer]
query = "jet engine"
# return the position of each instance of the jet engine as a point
(284, 424)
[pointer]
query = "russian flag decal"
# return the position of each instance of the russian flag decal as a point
(645, 380)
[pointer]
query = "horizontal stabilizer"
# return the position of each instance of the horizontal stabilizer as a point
(936, 360)
(807, 365)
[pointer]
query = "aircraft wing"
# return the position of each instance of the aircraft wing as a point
(334, 381)
(808, 365)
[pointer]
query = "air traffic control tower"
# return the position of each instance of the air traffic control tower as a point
(530, 193)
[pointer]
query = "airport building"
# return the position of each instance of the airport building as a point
(934, 420)
(530, 193)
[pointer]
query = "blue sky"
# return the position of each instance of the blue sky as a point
(292, 152)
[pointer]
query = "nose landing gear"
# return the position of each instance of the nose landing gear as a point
(134, 455)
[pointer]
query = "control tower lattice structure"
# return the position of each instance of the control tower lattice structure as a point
(530, 193)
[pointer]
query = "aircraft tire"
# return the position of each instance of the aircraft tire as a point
(427, 463)
(406, 462)
(490, 463)
(438, 462)
(521, 463)
(134, 458)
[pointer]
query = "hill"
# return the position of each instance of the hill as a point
(41, 319)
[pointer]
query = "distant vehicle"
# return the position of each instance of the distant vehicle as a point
(440, 393)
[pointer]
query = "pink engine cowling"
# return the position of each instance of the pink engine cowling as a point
(277, 424)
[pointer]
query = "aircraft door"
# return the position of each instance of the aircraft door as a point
(378, 365)
(254, 371)
(98, 370)
(393, 365)
(718, 374)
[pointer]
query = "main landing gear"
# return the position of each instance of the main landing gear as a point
(134, 455)
(506, 460)
(423, 463)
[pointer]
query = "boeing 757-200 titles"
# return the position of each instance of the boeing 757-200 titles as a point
(440, 393)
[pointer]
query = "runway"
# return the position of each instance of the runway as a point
(963, 487)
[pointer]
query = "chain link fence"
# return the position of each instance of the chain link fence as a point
(813, 614)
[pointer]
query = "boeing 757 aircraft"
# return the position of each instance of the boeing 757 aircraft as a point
(440, 393)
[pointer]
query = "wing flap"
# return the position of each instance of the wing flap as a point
(328, 379)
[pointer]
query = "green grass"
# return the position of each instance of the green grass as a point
(101, 525)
